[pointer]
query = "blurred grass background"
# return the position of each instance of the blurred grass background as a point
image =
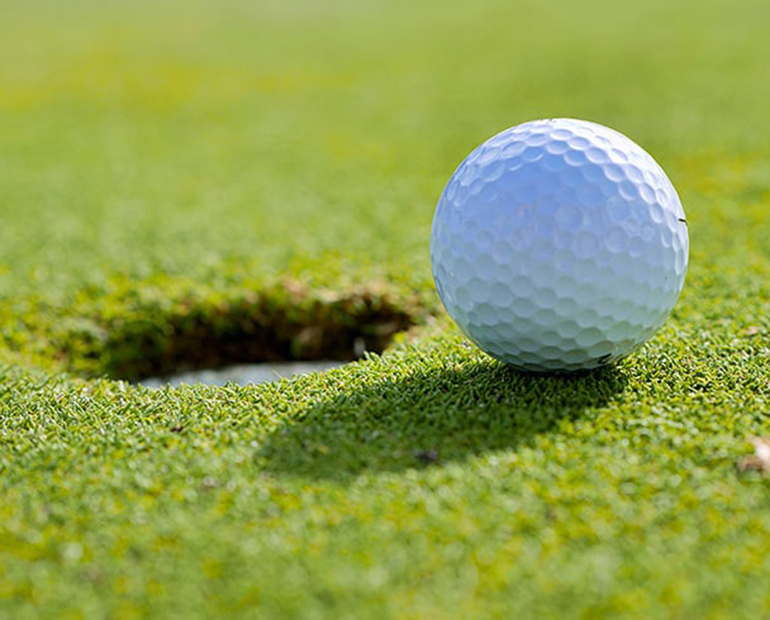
(142, 137)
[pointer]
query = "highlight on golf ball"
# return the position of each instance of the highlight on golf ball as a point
(559, 245)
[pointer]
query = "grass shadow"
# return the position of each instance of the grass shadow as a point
(432, 417)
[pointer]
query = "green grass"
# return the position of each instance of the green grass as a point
(180, 171)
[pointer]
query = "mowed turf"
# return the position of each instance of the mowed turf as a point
(162, 161)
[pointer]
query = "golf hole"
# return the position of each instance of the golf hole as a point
(167, 333)
(257, 338)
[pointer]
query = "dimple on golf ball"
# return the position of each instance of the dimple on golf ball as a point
(559, 245)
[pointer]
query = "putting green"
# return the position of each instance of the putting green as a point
(178, 177)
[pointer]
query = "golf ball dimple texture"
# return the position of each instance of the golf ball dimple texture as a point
(559, 245)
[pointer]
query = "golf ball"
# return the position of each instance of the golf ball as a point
(559, 245)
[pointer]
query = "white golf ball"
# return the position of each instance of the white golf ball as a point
(559, 245)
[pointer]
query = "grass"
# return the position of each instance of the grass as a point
(173, 170)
